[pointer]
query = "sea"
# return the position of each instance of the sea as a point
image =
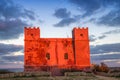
(14, 69)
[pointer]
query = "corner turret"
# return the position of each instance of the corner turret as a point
(32, 33)
(81, 47)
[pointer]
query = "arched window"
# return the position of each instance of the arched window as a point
(66, 56)
(48, 56)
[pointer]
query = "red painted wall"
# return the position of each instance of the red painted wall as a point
(60, 52)
(81, 47)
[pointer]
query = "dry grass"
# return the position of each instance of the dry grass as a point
(47, 76)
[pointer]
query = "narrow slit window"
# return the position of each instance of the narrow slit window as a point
(48, 56)
(66, 56)
(31, 34)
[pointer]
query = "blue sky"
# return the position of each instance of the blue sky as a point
(57, 18)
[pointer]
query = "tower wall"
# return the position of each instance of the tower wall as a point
(31, 46)
(81, 47)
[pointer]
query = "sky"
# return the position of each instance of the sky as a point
(56, 19)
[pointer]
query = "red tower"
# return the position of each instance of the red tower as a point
(62, 53)
(32, 36)
(81, 47)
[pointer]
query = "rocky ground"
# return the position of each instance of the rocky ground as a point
(107, 78)
(63, 78)
(48, 76)
(96, 77)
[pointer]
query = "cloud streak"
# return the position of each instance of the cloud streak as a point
(62, 13)
(6, 54)
(12, 58)
(101, 12)
(65, 22)
(116, 31)
(65, 17)
(9, 48)
(13, 19)
(108, 53)
(105, 48)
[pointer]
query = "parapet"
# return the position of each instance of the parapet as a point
(80, 28)
(29, 28)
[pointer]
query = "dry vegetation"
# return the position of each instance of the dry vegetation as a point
(47, 76)
(98, 72)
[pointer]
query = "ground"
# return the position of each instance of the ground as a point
(107, 78)
(64, 78)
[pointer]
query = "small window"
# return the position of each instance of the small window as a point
(31, 34)
(81, 34)
(48, 56)
(66, 56)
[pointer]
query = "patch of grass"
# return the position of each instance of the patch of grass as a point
(4, 71)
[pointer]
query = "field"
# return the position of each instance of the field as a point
(47, 76)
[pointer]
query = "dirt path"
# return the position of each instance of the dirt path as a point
(107, 78)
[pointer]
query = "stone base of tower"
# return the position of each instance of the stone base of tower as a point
(55, 70)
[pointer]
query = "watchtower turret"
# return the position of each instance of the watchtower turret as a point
(32, 36)
(81, 47)
(32, 33)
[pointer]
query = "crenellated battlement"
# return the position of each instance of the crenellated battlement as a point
(31, 32)
(28, 28)
(79, 28)
(80, 33)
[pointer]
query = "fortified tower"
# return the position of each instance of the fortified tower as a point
(31, 46)
(81, 47)
(49, 54)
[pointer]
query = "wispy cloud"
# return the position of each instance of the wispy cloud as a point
(65, 22)
(7, 56)
(102, 37)
(105, 48)
(108, 53)
(65, 17)
(102, 12)
(116, 31)
(12, 58)
(12, 19)
(62, 13)
(9, 48)
(93, 38)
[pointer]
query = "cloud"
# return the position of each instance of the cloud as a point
(92, 38)
(105, 34)
(105, 48)
(12, 58)
(87, 5)
(13, 18)
(112, 19)
(65, 17)
(62, 13)
(6, 54)
(9, 48)
(10, 10)
(11, 29)
(65, 22)
(106, 57)
(102, 36)
(106, 12)
(108, 53)
(116, 31)
(11, 63)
